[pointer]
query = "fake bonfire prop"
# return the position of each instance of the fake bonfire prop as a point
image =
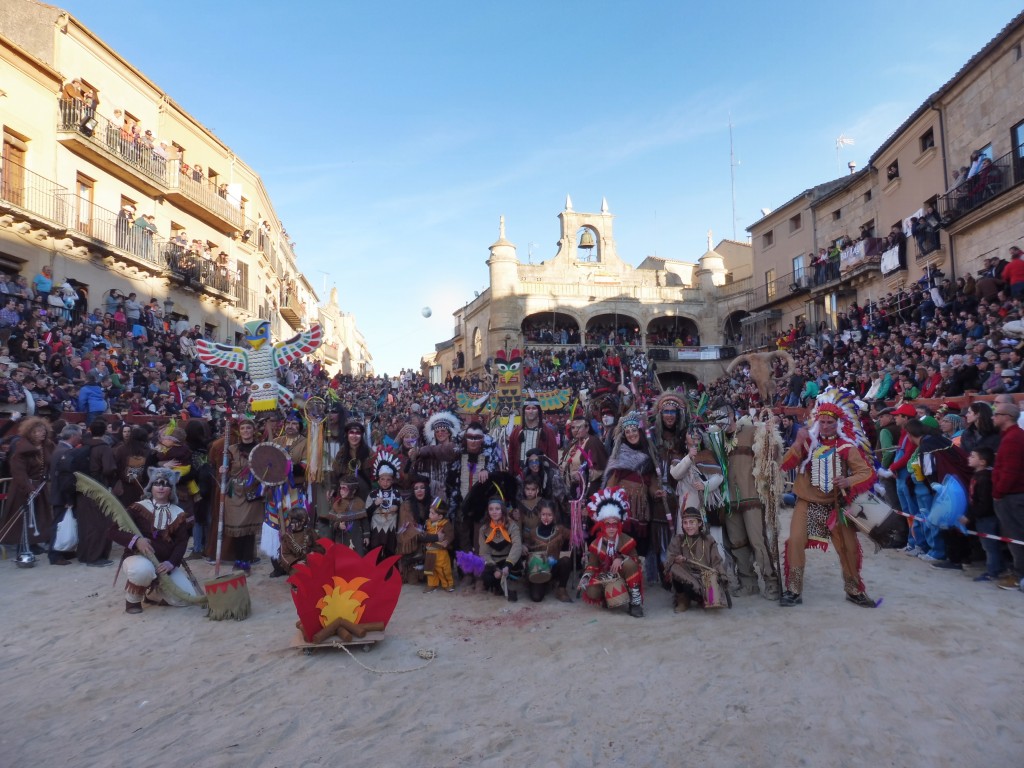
(112, 508)
(340, 593)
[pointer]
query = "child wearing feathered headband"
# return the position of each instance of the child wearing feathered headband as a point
(438, 535)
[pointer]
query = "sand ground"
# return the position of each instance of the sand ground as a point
(930, 678)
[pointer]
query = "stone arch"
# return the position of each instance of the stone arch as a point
(614, 328)
(666, 330)
(550, 328)
(673, 379)
(732, 329)
(592, 255)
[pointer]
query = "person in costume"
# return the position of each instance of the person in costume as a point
(694, 566)
(438, 535)
(407, 438)
(439, 458)
(532, 434)
(412, 518)
(584, 460)
(631, 467)
(832, 469)
(746, 529)
(477, 462)
(293, 495)
(349, 523)
(501, 547)
(547, 474)
(383, 504)
(612, 562)
(297, 541)
(165, 528)
(548, 542)
(173, 453)
(243, 505)
(29, 460)
(354, 457)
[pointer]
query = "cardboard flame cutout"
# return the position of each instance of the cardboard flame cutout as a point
(339, 584)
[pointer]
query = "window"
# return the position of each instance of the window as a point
(867, 229)
(837, 214)
(867, 196)
(769, 284)
(798, 270)
(795, 222)
(1016, 52)
(1017, 139)
(892, 172)
(84, 191)
(12, 181)
(927, 140)
(478, 343)
(768, 239)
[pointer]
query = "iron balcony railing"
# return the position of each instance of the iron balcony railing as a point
(246, 297)
(136, 151)
(199, 189)
(31, 192)
(736, 287)
(195, 271)
(994, 178)
(119, 232)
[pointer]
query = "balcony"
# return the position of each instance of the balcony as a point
(994, 179)
(780, 289)
(29, 193)
(736, 287)
(112, 148)
(331, 352)
(246, 298)
(199, 196)
(111, 232)
(198, 273)
(291, 310)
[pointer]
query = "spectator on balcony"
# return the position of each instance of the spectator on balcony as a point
(197, 174)
(986, 183)
(976, 160)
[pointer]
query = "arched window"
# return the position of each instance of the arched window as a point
(478, 343)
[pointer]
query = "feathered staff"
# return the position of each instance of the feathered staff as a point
(112, 508)
(767, 448)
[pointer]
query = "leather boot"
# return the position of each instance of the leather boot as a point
(562, 595)
(130, 607)
(636, 605)
(682, 603)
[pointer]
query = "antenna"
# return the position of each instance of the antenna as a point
(529, 253)
(325, 281)
(732, 177)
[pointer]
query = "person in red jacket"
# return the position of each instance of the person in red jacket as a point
(1013, 273)
(1008, 488)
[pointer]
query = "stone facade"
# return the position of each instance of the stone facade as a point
(595, 292)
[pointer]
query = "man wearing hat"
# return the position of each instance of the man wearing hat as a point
(531, 433)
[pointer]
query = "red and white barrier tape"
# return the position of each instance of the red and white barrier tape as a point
(969, 533)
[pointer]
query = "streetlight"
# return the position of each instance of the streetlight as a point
(168, 306)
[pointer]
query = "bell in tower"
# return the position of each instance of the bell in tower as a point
(586, 245)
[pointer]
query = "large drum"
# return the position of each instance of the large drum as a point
(615, 593)
(714, 593)
(538, 570)
(873, 517)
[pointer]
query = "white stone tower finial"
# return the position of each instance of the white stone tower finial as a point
(709, 240)
(604, 205)
(568, 203)
(501, 227)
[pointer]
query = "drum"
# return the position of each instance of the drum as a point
(615, 593)
(270, 464)
(872, 516)
(714, 593)
(538, 570)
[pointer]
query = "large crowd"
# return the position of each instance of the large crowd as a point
(120, 386)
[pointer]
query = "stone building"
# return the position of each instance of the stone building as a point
(92, 147)
(916, 172)
(678, 313)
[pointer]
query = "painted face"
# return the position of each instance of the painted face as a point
(669, 418)
(829, 425)
(385, 481)
(420, 491)
(691, 526)
(547, 517)
(532, 413)
(611, 529)
(345, 491)
(442, 434)
(161, 491)
(495, 511)
(355, 437)
(632, 435)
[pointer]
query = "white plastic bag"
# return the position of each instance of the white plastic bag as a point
(67, 533)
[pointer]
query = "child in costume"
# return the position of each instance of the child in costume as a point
(501, 547)
(383, 504)
(297, 541)
(439, 533)
(548, 543)
(612, 564)
(525, 512)
(349, 524)
(694, 566)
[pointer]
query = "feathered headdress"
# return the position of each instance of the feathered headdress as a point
(445, 419)
(631, 419)
(385, 462)
(608, 504)
(841, 404)
(670, 401)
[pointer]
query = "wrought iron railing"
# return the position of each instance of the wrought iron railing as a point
(201, 190)
(137, 151)
(31, 192)
(993, 178)
(736, 287)
(246, 298)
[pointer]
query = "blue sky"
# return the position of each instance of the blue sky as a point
(392, 135)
